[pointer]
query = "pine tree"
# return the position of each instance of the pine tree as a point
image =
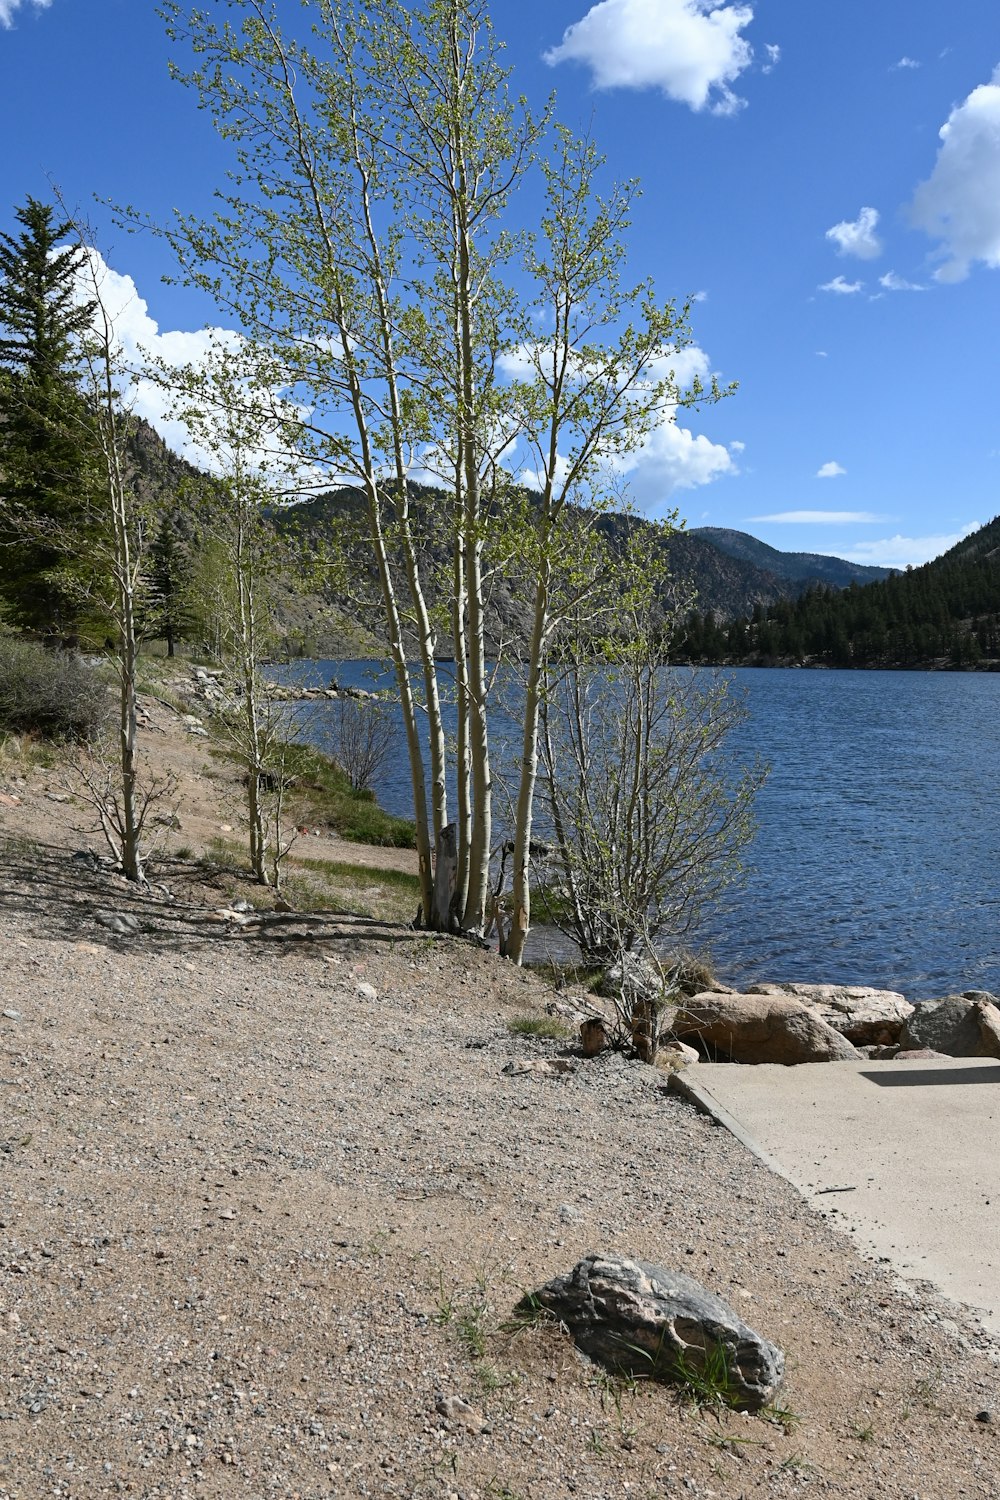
(45, 427)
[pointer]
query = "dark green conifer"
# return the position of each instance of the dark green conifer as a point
(45, 427)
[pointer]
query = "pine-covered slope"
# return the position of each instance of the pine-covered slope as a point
(945, 613)
(732, 575)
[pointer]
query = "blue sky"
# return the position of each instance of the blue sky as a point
(825, 178)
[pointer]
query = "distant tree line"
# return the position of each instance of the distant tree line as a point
(945, 612)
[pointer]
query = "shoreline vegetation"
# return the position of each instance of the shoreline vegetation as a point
(322, 805)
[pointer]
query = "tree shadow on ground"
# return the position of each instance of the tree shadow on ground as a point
(77, 898)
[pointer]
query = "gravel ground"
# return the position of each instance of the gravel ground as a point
(268, 1198)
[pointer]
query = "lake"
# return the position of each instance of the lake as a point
(878, 849)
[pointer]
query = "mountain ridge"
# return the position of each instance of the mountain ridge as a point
(794, 566)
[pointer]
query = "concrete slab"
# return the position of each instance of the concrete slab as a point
(904, 1156)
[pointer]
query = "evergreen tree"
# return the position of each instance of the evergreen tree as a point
(171, 553)
(45, 426)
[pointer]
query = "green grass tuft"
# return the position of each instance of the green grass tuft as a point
(546, 1028)
(337, 869)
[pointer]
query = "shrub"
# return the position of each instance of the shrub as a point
(363, 736)
(51, 693)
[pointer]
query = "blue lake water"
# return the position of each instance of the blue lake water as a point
(877, 856)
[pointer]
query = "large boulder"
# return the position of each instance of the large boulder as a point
(642, 1320)
(867, 1017)
(952, 1025)
(760, 1029)
(989, 1026)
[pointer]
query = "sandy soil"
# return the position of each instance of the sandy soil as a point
(268, 1196)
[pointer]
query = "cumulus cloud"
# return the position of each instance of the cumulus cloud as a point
(830, 471)
(8, 8)
(893, 283)
(904, 63)
(904, 551)
(671, 457)
(841, 287)
(820, 518)
(773, 57)
(141, 342)
(857, 236)
(959, 204)
(692, 50)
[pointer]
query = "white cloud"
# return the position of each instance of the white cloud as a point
(830, 471)
(691, 49)
(894, 283)
(842, 287)
(773, 57)
(822, 354)
(670, 458)
(857, 236)
(736, 446)
(904, 551)
(959, 204)
(8, 7)
(820, 518)
(673, 458)
(140, 341)
(904, 62)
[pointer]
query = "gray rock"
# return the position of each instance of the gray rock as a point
(12, 1015)
(123, 923)
(760, 1029)
(867, 1017)
(642, 1320)
(951, 1026)
(366, 992)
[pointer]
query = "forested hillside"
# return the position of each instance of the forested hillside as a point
(725, 584)
(943, 614)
